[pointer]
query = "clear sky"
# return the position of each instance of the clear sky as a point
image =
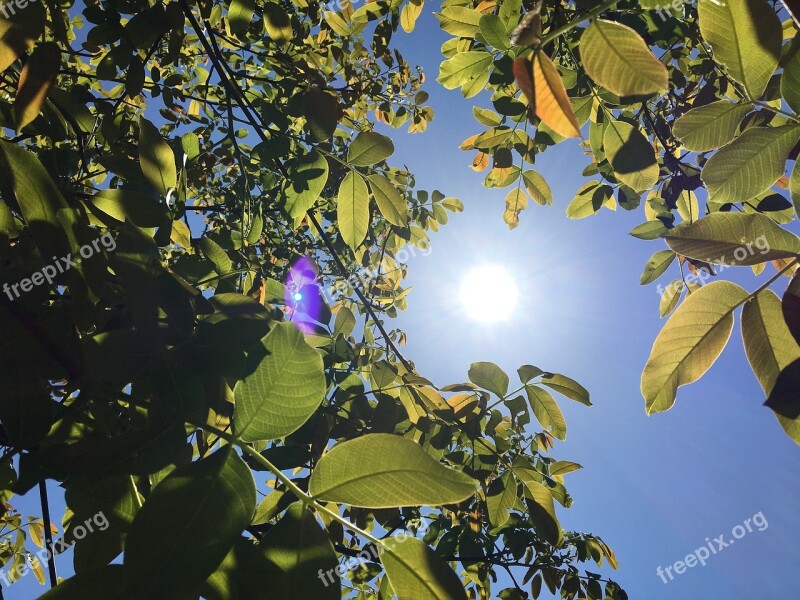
(654, 488)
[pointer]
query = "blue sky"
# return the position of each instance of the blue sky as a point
(654, 488)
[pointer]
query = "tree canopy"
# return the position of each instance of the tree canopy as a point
(203, 229)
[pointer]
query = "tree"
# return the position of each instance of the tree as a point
(696, 106)
(201, 232)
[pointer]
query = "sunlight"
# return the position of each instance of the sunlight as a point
(488, 294)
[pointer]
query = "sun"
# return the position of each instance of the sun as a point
(488, 294)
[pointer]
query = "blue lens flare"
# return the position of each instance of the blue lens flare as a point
(297, 296)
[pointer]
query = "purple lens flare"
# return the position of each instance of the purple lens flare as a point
(303, 298)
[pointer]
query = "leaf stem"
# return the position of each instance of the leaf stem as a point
(300, 494)
(608, 4)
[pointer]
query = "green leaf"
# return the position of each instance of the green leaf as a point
(285, 385)
(277, 22)
(489, 376)
(617, 58)
(544, 512)
(459, 21)
(35, 80)
(307, 177)
(380, 470)
(790, 82)
(690, 342)
(214, 252)
(537, 187)
(746, 39)
(392, 205)
(655, 267)
(298, 549)
(493, 30)
(38, 197)
(750, 164)
(688, 206)
(501, 498)
(631, 156)
(733, 238)
(240, 14)
(589, 199)
(107, 582)
(670, 297)
(711, 126)
(198, 511)
(566, 387)
(650, 230)
(794, 188)
(768, 343)
(463, 67)
(352, 209)
(156, 158)
(369, 148)
(547, 411)
(417, 573)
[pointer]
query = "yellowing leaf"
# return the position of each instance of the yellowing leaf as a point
(37, 77)
(690, 342)
(552, 103)
(516, 202)
(617, 58)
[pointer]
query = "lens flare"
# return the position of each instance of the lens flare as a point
(488, 294)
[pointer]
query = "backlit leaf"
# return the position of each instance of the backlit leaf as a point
(417, 573)
(631, 156)
(380, 470)
(711, 126)
(198, 511)
(733, 238)
(285, 385)
(156, 158)
(746, 39)
(617, 58)
(552, 103)
(352, 209)
(750, 164)
(37, 77)
(690, 342)
(369, 148)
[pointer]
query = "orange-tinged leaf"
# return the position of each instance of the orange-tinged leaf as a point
(35, 81)
(480, 162)
(523, 74)
(552, 103)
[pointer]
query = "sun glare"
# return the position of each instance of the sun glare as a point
(488, 294)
